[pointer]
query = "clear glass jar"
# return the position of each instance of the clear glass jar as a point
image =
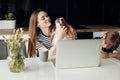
(16, 62)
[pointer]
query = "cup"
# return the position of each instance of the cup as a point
(43, 55)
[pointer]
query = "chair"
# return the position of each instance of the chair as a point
(3, 50)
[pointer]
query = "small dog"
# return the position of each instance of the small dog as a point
(70, 32)
(111, 41)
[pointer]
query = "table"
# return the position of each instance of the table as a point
(34, 70)
(37, 70)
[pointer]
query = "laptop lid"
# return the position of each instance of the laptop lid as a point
(78, 53)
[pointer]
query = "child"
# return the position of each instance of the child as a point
(111, 41)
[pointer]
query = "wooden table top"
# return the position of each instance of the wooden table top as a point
(10, 31)
(88, 28)
(98, 28)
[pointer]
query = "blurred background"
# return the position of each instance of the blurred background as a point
(76, 12)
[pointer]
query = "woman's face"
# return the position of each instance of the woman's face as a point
(43, 20)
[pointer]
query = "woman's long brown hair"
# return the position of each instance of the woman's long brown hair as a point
(33, 32)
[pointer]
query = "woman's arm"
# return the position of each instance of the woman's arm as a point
(61, 35)
(52, 51)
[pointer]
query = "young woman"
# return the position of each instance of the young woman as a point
(39, 32)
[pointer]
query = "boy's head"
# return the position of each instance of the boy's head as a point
(111, 39)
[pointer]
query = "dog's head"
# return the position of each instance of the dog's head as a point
(60, 22)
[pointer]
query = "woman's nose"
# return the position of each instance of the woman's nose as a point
(46, 18)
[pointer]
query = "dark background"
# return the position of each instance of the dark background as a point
(76, 12)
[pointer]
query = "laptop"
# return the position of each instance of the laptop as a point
(78, 53)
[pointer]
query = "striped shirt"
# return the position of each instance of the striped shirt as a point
(43, 40)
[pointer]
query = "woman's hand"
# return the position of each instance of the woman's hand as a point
(61, 33)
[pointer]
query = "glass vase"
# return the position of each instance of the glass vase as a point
(16, 62)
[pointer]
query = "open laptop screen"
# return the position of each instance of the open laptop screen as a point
(78, 53)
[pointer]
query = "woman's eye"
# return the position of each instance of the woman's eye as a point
(42, 18)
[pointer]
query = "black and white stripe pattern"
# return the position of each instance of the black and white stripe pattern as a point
(43, 40)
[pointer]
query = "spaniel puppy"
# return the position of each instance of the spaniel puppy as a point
(70, 31)
(111, 41)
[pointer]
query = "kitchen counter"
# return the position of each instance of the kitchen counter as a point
(87, 28)
(98, 28)
(10, 31)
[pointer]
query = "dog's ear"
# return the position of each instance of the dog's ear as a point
(64, 22)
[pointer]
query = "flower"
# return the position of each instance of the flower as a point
(16, 41)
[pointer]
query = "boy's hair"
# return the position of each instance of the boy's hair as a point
(112, 39)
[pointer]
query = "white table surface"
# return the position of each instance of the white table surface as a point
(37, 70)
